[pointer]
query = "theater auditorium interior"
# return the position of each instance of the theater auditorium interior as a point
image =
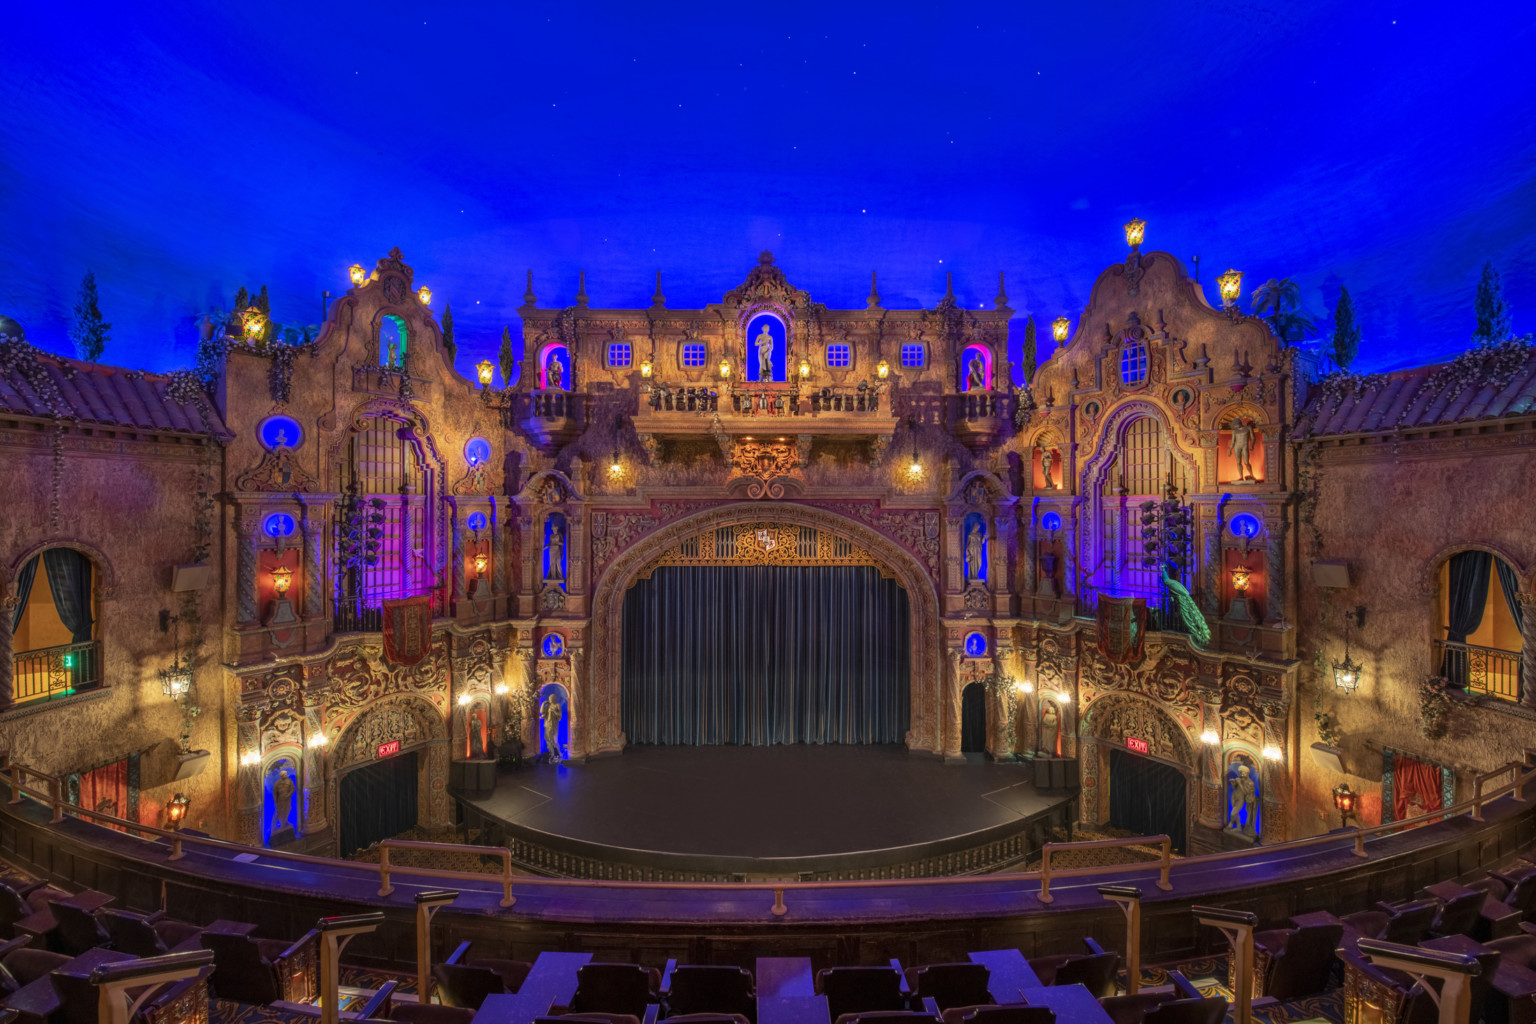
(758, 558)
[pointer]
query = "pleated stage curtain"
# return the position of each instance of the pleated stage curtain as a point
(759, 655)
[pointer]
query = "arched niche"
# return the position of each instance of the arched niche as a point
(975, 369)
(1241, 430)
(555, 367)
(418, 727)
(776, 328)
(394, 339)
(1107, 723)
(562, 700)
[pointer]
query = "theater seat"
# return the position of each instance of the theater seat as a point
(250, 970)
(465, 982)
(430, 1013)
(76, 931)
(145, 935)
(27, 965)
(1404, 923)
(1094, 969)
(1291, 963)
(709, 1018)
(950, 985)
(615, 988)
(693, 990)
(589, 1018)
(1005, 1013)
(860, 990)
(1458, 915)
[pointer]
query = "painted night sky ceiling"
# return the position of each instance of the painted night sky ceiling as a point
(183, 150)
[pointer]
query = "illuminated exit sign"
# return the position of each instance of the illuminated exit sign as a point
(393, 747)
(1131, 743)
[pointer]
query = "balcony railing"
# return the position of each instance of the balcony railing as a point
(55, 671)
(1480, 669)
(352, 616)
(689, 399)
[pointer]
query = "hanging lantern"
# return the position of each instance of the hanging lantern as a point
(359, 275)
(425, 295)
(805, 368)
(1346, 672)
(485, 369)
(176, 810)
(615, 467)
(255, 323)
(1344, 800)
(1231, 284)
(1135, 231)
(647, 368)
(725, 369)
(1060, 328)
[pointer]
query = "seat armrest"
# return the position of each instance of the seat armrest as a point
(30, 886)
(666, 977)
(906, 991)
(11, 945)
(1093, 947)
(1389, 908)
(458, 955)
(378, 1004)
(1514, 981)
(153, 917)
(310, 937)
(651, 1012)
(931, 1005)
(1181, 983)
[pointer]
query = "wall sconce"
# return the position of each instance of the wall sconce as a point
(1240, 576)
(481, 561)
(1273, 753)
(425, 295)
(255, 323)
(250, 759)
(1062, 698)
(1060, 327)
(647, 368)
(358, 274)
(725, 369)
(1346, 673)
(176, 810)
(502, 689)
(1135, 231)
(1231, 285)
(485, 369)
(318, 740)
(915, 470)
(464, 700)
(1345, 799)
(615, 467)
(1024, 686)
(282, 579)
(805, 368)
(883, 369)
(1211, 738)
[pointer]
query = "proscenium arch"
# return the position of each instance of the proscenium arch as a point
(599, 727)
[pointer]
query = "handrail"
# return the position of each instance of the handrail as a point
(53, 798)
(507, 899)
(1100, 844)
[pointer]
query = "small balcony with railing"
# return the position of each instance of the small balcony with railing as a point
(683, 409)
(1485, 670)
(55, 672)
(1478, 647)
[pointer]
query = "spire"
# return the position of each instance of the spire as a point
(874, 292)
(949, 286)
(658, 300)
(528, 298)
(581, 287)
(1002, 293)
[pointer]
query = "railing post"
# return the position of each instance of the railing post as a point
(1162, 879)
(1453, 970)
(1237, 926)
(384, 887)
(176, 850)
(335, 933)
(18, 773)
(1360, 844)
(1477, 798)
(1045, 873)
(507, 899)
(779, 909)
(1128, 898)
(56, 797)
(427, 905)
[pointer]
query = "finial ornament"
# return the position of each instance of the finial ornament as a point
(874, 292)
(1002, 292)
(528, 299)
(658, 299)
(949, 285)
(581, 287)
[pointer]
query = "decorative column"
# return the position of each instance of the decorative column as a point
(1029, 554)
(1030, 674)
(1212, 811)
(458, 553)
(314, 756)
(1210, 580)
(951, 703)
(528, 688)
(1275, 773)
(498, 551)
(245, 566)
(1527, 648)
(314, 586)
(1274, 572)
(576, 707)
(7, 611)
(248, 775)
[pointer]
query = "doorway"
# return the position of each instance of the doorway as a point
(1147, 797)
(973, 719)
(378, 801)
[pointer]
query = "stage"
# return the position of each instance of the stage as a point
(802, 811)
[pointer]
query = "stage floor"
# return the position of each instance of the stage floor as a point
(766, 802)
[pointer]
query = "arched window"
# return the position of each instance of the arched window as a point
(393, 338)
(1481, 624)
(382, 527)
(53, 629)
(1133, 364)
(1143, 462)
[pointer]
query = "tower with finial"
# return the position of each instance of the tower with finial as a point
(528, 296)
(658, 301)
(581, 288)
(874, 291)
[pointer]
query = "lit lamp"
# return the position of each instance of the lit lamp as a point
(1240, 579)
(1060, 327)
(176, 681)
(464, 700)
(282, 608)
(485, 369)
(255, 323)
(1238, 611)
(250, 759)
(359, 275)
(647, 368)
(615, 467)
(1273, 753)
(805, 368)
(725, 369)
(481, 561)
(1024, 686)
(1345, 799)
(1210, 738)
(883, 370)
(176, 810)
(502, 689)
(1134, 232)
(318, 740)
(425, 295)
(916, 468)
(1063, 698)
(1346, 673)
(282, 579)
(1231, 284)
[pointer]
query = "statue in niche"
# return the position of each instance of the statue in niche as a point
(1046, 458)
(1243, 802)
(555, 573)
(1050, 729)
(1241, 449)
(550, 713)
(283, 790)
(976, 375)
(764, 343)
(554, 374)
(973, 554)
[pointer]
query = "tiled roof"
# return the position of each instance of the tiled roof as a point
(92, 393)
(1409, 399)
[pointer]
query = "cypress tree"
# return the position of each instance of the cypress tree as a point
(263, 303)
(1346, 332)
(1493, 319)
(87, 329)
(448, 329)
(1028, 355)
(242, 299)
(507, 358)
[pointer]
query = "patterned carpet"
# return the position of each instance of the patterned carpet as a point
(1209, 975)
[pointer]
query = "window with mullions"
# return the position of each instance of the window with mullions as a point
(619, 354)
(693, 354)
(1133, 363)
(912, 355)
(838, 356)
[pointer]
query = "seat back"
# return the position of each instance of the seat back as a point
(130, 933)
(27, 965)
(418, 1013)
(612, 988)
(1212, 1010)
(78, 999)
(1459, 915)
(1012, 1013)
(860, 990)
(466, 986)
(13, 907)
(1303, 967)
(1516, 949)
(77, 931)
(717, 990)
(959, 984)
(1095, 971)
(240, 972)
(1410, 924)
(889, 1017)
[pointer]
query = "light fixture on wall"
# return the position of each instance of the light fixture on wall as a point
(502, 689)
(282, 579)
(318, 740)
(615, 466)
(915, 469)
(647, 368)
(1060, 327)
(1211, 738)
(175, 681)
(425, 295)
(176, 810)
(481, 561)
(805, 368)
(358, 274)
(1345, 799)
(250, 759)
(725, 369)
(1135, 231)
(254, 323)
(1240, 576)
(1273, 753)
(486, 371)
(1024, 686)
(1062, 697)
(1231, 285)
(464, 700)
(1346, 673)
(883, 369)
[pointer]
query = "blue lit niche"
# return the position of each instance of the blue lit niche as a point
(477, 451)
(393, 338)
(1245, 525)
(1242, 761)
(975, 645)
(280, 432)
(554, 645)
(280, 811)
(778, 333)
(974, 524)
(557, 549)
(556, 691)
(1051, 521)
(973, 354)
(278, 525)
(476, 521)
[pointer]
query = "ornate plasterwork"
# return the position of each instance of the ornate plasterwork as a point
(765, 543)
(599, 688)
(277, 470)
